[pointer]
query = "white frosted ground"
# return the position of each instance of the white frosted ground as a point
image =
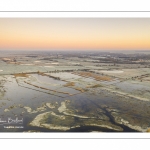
(37, 61)
(113, 71)
(27, 64)
(74, 63)
(6, 59)
(49, 66)
(55, 63)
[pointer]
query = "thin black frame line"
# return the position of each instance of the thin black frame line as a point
(79, 11)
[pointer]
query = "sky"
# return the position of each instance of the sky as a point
(74, 34)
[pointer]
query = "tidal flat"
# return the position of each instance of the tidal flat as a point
(49, 110)
(73, 98)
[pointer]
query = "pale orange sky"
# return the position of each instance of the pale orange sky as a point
(74, 33)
